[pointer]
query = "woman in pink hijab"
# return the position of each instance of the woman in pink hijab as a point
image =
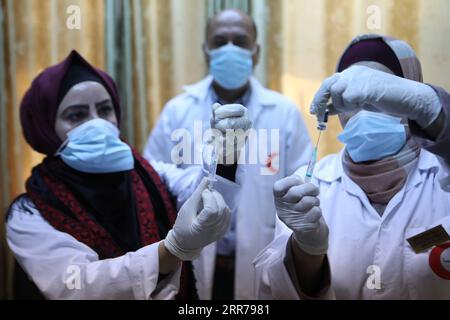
(374, 222)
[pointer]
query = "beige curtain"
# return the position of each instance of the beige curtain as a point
(35, 35)
(164, 39)
(153, 47)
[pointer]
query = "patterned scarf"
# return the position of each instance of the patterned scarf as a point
(75, 204)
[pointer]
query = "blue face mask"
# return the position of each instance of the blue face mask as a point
(231, 66)
(370, 136)
(95, 147)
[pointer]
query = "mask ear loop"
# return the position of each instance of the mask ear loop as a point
(66, 142)
(61, 147)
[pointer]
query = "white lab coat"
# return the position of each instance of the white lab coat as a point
(361, 241)
(54, 259)
(255, 211)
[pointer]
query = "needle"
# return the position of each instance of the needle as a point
(318, 139)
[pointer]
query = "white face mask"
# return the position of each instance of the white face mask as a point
(95, 147)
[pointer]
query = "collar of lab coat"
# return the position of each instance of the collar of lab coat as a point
(260, 96)
(331, 168)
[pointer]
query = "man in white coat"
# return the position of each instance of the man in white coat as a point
(277, 145)
(375, 221)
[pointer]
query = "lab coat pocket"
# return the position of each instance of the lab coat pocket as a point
(424, 281)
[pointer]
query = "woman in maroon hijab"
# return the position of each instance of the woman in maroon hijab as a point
(97, 221)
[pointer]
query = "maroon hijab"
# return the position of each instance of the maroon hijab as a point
(40, 104)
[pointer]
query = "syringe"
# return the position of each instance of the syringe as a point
(212, 153)
(212, 165)
(321, 126)
(311, 165)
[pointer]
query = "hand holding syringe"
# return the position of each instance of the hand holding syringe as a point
(321, 126)
(225, 147)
